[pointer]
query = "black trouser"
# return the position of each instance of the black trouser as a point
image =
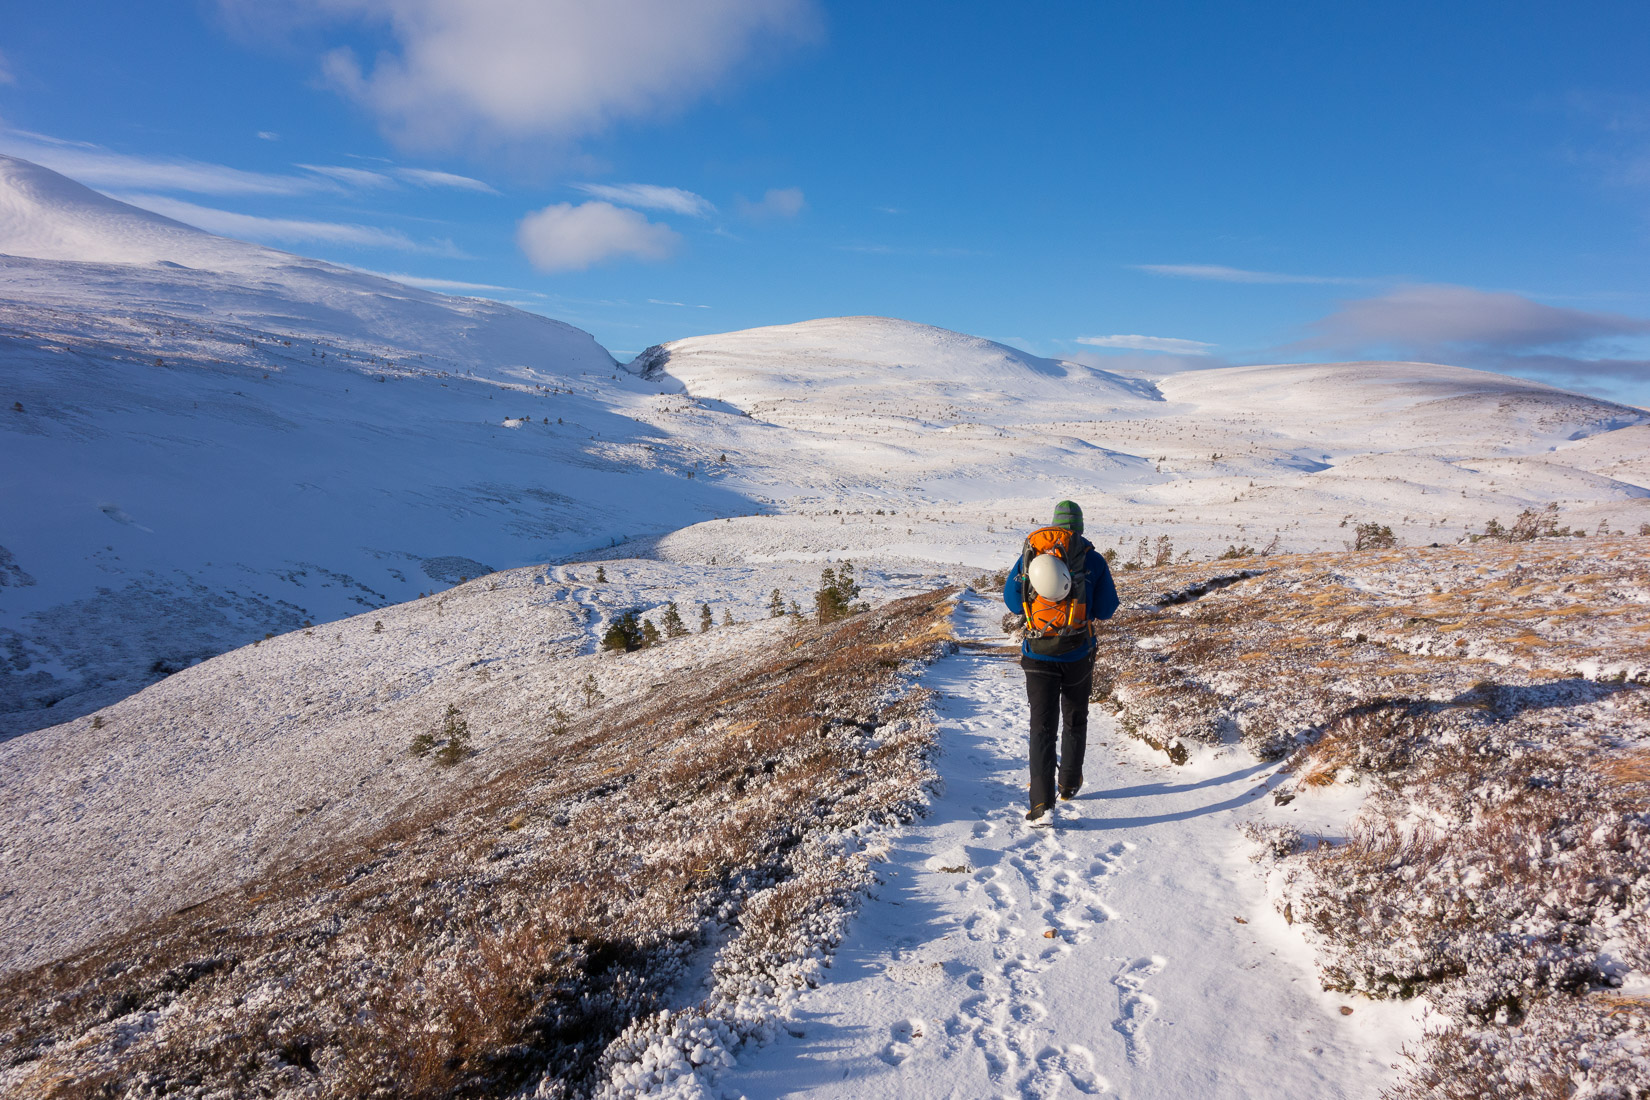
(1064, 684)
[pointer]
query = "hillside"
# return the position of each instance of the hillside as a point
(213, 441)
(300, 656)
(704, 873)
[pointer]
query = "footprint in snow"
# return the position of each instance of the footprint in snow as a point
(1057, 1067)
(904, 1038)
(1135, 1007)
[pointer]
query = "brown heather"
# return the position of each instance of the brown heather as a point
(507, 936)
(1494, 701)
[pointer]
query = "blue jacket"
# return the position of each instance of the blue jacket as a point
(1101, 600)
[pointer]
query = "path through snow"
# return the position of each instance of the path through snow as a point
(1103, 957)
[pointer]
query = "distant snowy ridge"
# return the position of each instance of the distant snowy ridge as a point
(224, 440)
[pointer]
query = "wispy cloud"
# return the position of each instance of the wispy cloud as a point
(6, 75)
(459, 71)
(779, 202)
(423, 282)
(354, 177)
(98, 167)
(428, 177)
(648, 196)
(1148, 343)
(268, 135)
(1495, 331)
(1222, 274)
(46, 139)
(679, 305)
(282, 230)
(907, 250)
(564, 237)
(1442, 316)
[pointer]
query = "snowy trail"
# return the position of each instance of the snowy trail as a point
(1103, 957)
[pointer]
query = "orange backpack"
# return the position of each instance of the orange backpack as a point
(1055, 619)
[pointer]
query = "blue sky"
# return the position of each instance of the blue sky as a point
(1161, 185)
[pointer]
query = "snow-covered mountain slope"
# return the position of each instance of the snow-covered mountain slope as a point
(207, 440)
(204, 441)
(963, 437)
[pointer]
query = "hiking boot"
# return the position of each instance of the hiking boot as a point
(1069, 793)
(1040, 816)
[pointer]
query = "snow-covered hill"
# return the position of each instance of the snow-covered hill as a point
(969, 441)
(206, 441)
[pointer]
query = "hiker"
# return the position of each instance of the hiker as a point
(1070, 588)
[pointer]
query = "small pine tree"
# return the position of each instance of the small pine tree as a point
(796, 611)
(848, 587)
(674, 626)
(837, 592)
(457, 732)
(592, 693)
(776, 605)
(729, 620)
(601, 575)
(706, 620)
(650, 634)
(377, 627)
(623, 635)
(1164, 553)
(556, 722)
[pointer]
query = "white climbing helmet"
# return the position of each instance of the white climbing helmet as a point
(1049, 576)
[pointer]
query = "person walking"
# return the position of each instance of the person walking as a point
(1061, 585)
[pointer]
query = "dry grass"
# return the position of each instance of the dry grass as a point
(473, 947)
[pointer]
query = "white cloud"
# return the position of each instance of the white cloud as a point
(279, 230)
(681, 305)
(457, 70)
(648, 196)
(1148, 343)
(564, 237)
(428, 177)
(779, 202)
(6, 75)
(425, 283)
(355, 177)
(98, 167)
(1221, 274)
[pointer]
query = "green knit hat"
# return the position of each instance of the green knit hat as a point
(1067, 514)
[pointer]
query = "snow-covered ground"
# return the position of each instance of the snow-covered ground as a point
(272, 494)
(1129, 951)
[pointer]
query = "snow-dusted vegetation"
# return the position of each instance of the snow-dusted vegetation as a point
(1465, 732)
(503, 931)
